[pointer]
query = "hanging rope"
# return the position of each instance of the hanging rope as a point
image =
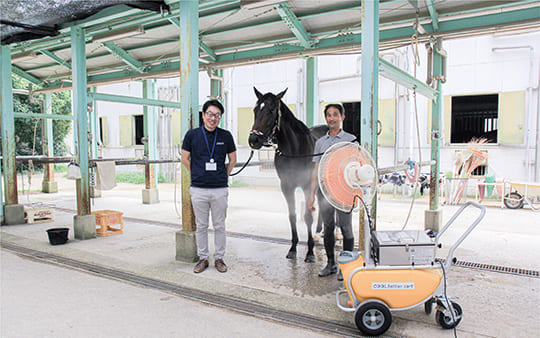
(414, 43)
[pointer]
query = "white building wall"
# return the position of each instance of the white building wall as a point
(476, 65)
(493, 64)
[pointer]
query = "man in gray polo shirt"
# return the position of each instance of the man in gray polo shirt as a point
(334, 115)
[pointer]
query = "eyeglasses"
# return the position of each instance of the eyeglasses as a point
(217, 116)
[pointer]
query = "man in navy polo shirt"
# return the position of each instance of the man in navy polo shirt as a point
(203, 153)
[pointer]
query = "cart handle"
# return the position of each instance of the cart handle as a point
(448, 262)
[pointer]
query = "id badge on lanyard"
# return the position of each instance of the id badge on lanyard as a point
(210, 165)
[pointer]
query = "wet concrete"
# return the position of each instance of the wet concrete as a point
(495, 304)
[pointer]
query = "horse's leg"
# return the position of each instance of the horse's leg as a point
(308, 218)
(319, 223)
(289, 197)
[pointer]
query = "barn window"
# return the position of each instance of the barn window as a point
(351, 124)
(474, 116)
(139, 128)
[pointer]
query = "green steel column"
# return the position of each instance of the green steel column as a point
(93, 125)
(312, 91)
(189, 92)
(150, 133)
(49, 125)
(370, 92)
(48, 185)
(1, 189)
(8, 129)
(94, 131)
(437, 105)
(80, 113)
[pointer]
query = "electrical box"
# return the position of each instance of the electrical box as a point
(402, 247)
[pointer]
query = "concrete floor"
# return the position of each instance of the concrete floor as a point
(494, 304)
(57, 307)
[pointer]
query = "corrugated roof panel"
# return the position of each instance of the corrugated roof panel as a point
(239, 35)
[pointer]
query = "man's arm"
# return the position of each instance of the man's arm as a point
(314, 187)
(186, 159)
(232, 162)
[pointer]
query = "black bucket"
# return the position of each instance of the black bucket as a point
(58, 235)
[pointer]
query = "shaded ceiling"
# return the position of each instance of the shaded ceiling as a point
(234, 32)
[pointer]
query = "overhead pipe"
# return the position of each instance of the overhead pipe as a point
(444, 57)
(429, 49)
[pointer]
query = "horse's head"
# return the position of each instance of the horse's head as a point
(267, 119)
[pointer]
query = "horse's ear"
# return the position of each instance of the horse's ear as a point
(258, 93)
(280, 95)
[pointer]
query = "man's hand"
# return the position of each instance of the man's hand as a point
(310, 203)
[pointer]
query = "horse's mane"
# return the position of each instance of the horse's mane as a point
(296, 125)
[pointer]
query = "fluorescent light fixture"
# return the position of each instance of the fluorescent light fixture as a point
(253, 4)
(24, 56)
(119, 34)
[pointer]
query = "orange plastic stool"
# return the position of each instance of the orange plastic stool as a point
(104, 221)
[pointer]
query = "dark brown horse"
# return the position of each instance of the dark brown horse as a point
(276, 125)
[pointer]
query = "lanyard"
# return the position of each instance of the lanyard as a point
(208, 146)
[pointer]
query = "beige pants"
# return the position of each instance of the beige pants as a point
(208, 201)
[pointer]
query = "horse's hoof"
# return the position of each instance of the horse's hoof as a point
(291, 255)
(310, 259)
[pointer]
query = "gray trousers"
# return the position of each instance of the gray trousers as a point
(206, 201)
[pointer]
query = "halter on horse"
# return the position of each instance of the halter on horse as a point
(275, 125)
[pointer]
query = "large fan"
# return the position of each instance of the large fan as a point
(347, 170)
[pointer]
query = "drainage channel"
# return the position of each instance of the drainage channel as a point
(231, 303)
(275, 240)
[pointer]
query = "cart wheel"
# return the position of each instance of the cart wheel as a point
(445, 319)
(428, 306)
(373, 318)
(513, 200)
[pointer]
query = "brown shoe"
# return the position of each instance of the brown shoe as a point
(220, 265)
(201, 266)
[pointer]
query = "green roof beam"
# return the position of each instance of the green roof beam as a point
(103, 16)
(175, 21)
(124, 56)
(413, 3)
(208, 51)
(434, 15)
(312, 14)
(56, 58)
(495, 19)
(118, 22)
(132, 100)
(405, 79)
(202, 45)
(44, 116)
(294, 24)
(30, 78)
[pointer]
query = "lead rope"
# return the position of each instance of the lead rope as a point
(245, 165)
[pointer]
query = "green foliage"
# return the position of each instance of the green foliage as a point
(29, 131)
(60, 168)
(237, 184)
(135, 178)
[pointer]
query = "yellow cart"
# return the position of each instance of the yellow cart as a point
(374, 288)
